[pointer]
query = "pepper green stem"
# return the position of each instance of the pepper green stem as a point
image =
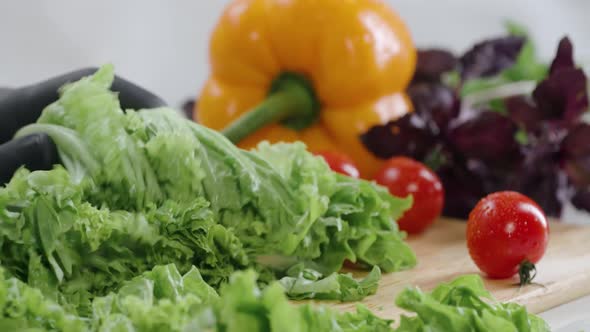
(291, 101)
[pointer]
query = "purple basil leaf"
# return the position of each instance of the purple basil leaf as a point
(543, 182)
(577, 142)
(564, 59)
(576, 154)
(545, 189)
(546, 149)
(523, 111)
(581, 200)
(438, 157)
(435, 103)
(462, 191)
(578, 171)
(409, 136)
(490, 57)
(539, 175)
(563, 96)
(488, 136)
(549, 134)
(493, 177)
(432, 64)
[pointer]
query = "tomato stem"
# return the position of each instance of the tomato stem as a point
(291, 101)
(527, 271)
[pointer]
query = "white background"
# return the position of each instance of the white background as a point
(162, 45)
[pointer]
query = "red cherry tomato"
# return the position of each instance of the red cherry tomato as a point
(507, 233)
(340, 163)
(404, 176)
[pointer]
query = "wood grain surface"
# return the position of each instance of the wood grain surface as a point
(564, 271)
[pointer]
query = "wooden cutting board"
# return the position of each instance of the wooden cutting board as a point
(442, 255)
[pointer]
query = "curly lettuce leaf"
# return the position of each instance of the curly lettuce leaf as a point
(247, 194)
(164, 300)
(124, 178)
(357, 222)
(24, 308)
(73, 251)
(308, 284)
(461, 306)
(242, 309)
(159, 300)
(276, 200)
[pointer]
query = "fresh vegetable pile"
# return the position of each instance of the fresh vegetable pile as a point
(495, 119)
(149, 187)
(155, 223)
(164, 300)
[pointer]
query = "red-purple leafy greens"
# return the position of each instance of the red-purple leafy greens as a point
(490, 57)
(488, 129)
(433, 63)
(576, 151)
(496, 118)
(563, 95)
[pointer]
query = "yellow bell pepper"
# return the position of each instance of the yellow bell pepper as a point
(319, 71)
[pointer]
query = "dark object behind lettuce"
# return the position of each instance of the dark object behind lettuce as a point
(188, 108)
(509, 143)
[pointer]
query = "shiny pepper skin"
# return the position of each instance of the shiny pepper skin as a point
(357, 54)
